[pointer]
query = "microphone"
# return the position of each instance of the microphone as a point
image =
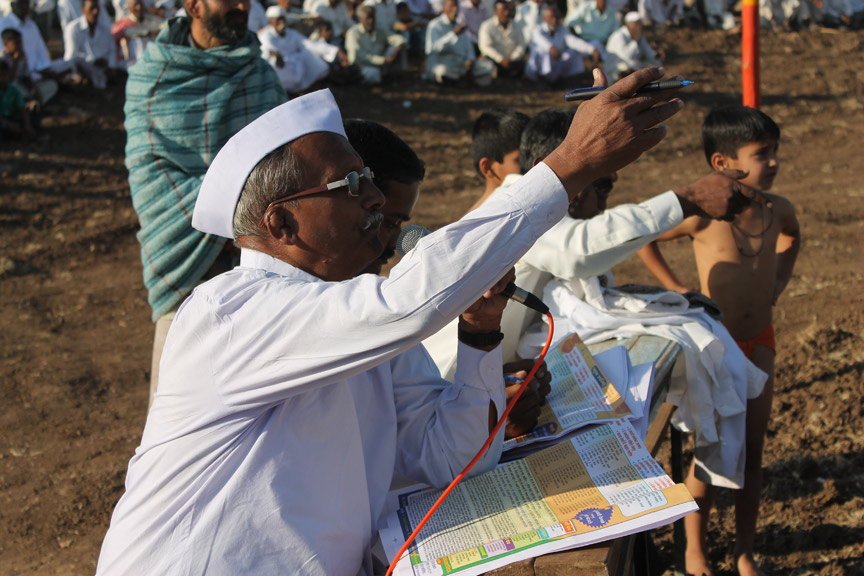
(411, 235)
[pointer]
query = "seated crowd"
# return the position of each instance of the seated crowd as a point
(465, 42)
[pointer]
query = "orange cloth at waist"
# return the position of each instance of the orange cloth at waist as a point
(764, 338)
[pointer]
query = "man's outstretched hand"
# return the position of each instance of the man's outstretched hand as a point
(719, 196)
(612, 130)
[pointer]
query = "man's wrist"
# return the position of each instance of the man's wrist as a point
(481, 338)
(685, 195)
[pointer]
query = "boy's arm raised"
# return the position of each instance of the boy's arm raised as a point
(653, 259)
(788, 244)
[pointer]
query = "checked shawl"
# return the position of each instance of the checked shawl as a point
(182, 105)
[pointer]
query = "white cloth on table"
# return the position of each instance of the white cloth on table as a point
(301, 68)
(448, 52)
(497, 42)
(712, 387)
(571, 249)
(573, 50)
(286, 403)
(337, 16)
(624, 53)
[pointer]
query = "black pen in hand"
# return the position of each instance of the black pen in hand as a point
(579, 94)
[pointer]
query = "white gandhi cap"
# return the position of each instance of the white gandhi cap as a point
(220, 191)
(632, 17)
(275, 12)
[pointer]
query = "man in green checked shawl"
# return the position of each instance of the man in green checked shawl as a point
(200, 82)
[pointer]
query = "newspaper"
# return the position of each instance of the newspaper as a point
(599, 484)
(581, 394)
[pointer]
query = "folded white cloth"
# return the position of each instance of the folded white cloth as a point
(712, 387)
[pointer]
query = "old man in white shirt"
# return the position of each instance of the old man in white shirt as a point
(450, 54)
(285, 49)
(502, 41)
(370, 48)
(628, 48)
(291, 389)
(555, 53)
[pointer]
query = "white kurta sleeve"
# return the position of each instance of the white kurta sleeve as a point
(283, 335)
(442, 425)
(584, 248)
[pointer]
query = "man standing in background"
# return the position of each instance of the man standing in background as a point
(197, 84)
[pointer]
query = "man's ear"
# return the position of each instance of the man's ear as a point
(280, 225)
(194, 9)
(484, 165)
(719, 162)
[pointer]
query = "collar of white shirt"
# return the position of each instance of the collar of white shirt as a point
(260, 261)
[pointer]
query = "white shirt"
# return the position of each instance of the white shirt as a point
(34, 46)
(286, 404)
(441, 40)
(497, 42)
(625, 53)
(572, 249)
(79, 43)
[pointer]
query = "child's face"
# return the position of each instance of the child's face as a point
(760, 160)
(12, 48)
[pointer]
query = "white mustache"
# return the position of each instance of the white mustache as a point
(373, 220)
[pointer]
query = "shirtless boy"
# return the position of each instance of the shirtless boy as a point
(744, 265)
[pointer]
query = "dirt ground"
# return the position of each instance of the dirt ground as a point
(75, 330)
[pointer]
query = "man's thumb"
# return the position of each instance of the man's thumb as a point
(599, 78)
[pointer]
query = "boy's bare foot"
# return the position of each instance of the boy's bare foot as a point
(747, 566)
(697, 564)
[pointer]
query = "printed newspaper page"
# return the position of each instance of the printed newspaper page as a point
(581, 394)
(600, 484)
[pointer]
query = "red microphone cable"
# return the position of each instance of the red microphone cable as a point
(480, 453)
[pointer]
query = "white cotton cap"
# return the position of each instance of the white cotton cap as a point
(275, 12)
(632, 17)
(224, 181)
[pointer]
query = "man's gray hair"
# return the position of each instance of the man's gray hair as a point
(277, 174)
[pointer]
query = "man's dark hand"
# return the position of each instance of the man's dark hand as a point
(525, 413)
(612, 130)
(719, 196)
(484, 315)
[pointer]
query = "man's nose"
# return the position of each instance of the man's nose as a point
(371, 196)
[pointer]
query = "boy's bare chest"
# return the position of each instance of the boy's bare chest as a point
(751, 237)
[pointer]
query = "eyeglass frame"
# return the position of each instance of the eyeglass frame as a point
(366, 172)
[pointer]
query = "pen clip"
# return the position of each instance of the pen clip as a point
(578, 90)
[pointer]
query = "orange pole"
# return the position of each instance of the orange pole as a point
(750, 52)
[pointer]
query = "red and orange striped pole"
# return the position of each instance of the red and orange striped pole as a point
(750, 52)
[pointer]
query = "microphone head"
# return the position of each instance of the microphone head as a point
(409, 237)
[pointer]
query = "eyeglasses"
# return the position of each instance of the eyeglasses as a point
(351, 180)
